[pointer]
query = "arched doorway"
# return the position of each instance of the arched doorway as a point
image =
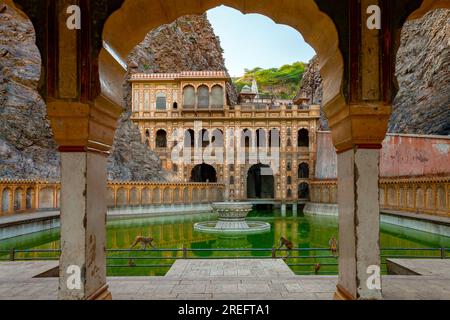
(303, 138)
(303, 191)
(161, 139)
(303, 171)
(204, 173)
(260, 182)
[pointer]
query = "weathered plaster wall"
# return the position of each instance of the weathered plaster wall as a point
(402, 155)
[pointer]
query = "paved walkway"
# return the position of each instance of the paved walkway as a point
(216, 279)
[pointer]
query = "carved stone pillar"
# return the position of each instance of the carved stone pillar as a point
(84, 134)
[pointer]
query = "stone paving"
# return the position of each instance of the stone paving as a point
(263, 280)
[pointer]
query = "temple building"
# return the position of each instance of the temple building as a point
(191, 109)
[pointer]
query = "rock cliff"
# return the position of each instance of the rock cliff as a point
(27, 148)
(422, 105)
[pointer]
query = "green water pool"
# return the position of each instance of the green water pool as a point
(177, 232)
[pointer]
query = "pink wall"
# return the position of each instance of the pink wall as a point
(402, 155)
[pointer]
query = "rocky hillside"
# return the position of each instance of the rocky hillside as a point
(422, 105)
(282, 82)
(27, 148)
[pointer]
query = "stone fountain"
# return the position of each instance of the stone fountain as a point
(232, 219)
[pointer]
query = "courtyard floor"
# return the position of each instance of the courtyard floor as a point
(218, 280)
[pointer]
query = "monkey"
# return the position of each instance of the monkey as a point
(333, 243)
(317, 268)
(144, 242)
(286, 243)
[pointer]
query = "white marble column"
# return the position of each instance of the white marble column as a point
(83, 226)
(359, 223)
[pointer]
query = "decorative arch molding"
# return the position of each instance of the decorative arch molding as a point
(126, 27)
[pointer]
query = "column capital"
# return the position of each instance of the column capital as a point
(79, 127)
(362, 125)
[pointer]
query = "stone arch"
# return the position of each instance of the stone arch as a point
(203, 97)
(196, 195)
(141, 16)
(161, 138)
(188, 97)
(46, 198)
(260, 182)
(167, 195)
(303, 138)
(430, 198)
(29, 202)
(303, 190)
(189, 138)
(392, 196)
(176, 195)
(146, 196)
(441, 201)
(204, 173)
(110, 197)
(217, 96)
(186, 195)
(134, 197)
(156, 196)
(274, 138)
(6, 200)
(420, 198)
(18, 196)
(261, 139)
(121, 197)
(303, 171)
(246, 138)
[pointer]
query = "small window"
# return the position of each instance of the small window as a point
(203, 97)
(175, 106)
(161, 101)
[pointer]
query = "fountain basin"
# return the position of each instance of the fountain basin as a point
(232, 219)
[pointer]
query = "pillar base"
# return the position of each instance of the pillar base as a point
(101, 294)
(342, 294)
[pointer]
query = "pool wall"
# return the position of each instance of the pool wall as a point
(19, 225)
(406, 220)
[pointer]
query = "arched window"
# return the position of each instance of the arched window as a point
(261, 138)
(246, 138)
(303, 171)
(217, 138)
(204, 138)
(274, 138)
(289, 143)
(175, 106)
(189, 138)
(232, 180)
(161, 101)
(189, 97)
(303, 138)
(203, 97)
(289, 166)
(217, 97)
(303, 191)
(147, 133)
(289, 180)
(161, 139)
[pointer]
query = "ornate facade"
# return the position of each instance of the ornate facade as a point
(191, 109)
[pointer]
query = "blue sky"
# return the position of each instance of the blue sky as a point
(254, 40)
